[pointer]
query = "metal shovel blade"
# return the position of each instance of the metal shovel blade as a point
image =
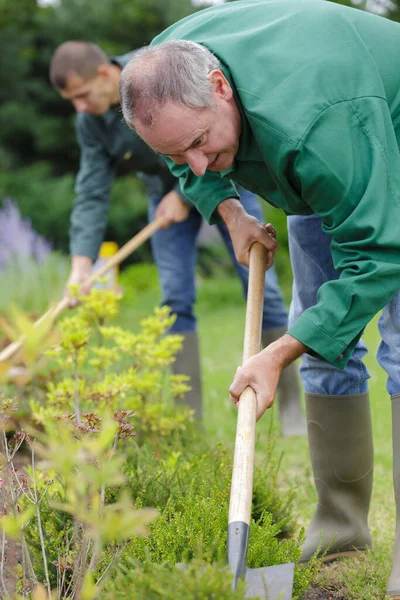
(272, 583)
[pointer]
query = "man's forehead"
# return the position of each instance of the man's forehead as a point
(75, 84)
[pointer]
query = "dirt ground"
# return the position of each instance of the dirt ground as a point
(322, 594)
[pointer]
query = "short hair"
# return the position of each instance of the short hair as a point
(175, 70)
(81, 58)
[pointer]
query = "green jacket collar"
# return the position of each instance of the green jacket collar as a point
(248, 148)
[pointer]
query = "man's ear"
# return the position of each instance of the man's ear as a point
(103, 70)
(220, 84)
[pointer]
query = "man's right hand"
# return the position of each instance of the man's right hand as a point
(173, 209)
(245, 230)
(81, 267)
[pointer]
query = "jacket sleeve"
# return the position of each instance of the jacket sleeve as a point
(204, 192)
(93, 184)
(348, 169)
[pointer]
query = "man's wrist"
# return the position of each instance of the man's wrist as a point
(81, 264)
(285, 350)
(230, 209)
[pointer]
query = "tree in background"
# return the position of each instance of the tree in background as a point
(35, 124)
(38, 148)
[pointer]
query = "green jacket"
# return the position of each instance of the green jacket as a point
(318, 87)
(104, 142)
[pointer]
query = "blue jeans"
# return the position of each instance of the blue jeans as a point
(312, 266)
(175, 254)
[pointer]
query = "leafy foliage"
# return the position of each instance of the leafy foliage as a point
(153, 582)
(117, 445)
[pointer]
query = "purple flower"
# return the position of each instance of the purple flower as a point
(18, 240)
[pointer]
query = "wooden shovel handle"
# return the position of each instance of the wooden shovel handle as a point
(118, 257)
(243, 462)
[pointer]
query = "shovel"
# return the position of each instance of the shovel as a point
(273, 583)
(118, 257)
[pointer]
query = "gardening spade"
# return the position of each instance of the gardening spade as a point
(118, 257)
(273, 583)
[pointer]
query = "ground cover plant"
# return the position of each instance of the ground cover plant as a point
(106, 485)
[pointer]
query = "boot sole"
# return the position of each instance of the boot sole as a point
(347, 554)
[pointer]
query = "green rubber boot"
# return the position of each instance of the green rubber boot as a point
(188, 363)
(291, 416)
(393, 587)
(341, 451)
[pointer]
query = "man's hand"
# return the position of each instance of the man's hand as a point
(81, 267)
(262, 371)
(173, 209)
(245, 230)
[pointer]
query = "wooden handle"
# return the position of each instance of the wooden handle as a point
(127, 249)
(243, 461)
(118, 257)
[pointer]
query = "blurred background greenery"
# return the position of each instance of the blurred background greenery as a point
(39, 154)
(38, 151)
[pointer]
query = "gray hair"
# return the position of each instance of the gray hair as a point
(175, 71)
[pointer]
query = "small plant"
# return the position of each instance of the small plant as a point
(139, 581)
(191, 492)
(81, 462)
(78, 462)
(104, 366)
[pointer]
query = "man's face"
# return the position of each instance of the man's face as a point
(91, 96)
(202, 138)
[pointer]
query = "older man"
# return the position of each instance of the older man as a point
(88, 78)
(298, 102)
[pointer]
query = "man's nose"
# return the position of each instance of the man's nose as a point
(197, 161)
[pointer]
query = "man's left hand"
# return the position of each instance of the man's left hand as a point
(245, 230)
(173, 209)
(263, 370)
(262, 374)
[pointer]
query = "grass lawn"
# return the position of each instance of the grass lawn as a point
(221, 310)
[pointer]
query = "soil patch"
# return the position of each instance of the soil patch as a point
(317, 593)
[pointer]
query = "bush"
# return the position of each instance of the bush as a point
(148, 581)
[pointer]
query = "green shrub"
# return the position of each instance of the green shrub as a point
(191, 491)
(266, 494)
(154, 582)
